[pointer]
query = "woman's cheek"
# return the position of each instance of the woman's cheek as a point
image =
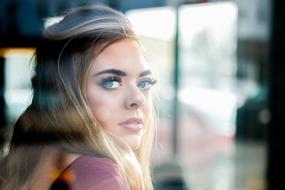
(147, 111)
(103, 115)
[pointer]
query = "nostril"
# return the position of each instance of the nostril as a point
(133, 105)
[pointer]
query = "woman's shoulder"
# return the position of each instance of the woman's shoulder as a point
(86, 162)
(94, 173)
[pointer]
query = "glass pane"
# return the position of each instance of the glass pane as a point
(18, 72)
(157, 37)
(208, 94)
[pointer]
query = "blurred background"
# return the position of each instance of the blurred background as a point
(220, 67)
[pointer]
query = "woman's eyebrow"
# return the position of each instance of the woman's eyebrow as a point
(144, 73)
(121, 73)
(112, 71)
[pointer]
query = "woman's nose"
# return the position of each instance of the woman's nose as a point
(135, 98)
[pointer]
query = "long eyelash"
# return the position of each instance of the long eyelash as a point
(112, 79)
(153, 81)
(150, 82)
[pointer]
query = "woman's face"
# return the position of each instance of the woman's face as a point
(118, 91)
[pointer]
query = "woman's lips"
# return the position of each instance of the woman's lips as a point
(133, 124)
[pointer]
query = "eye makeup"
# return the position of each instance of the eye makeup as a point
(110, 83)
(146, 83)
(113, 82)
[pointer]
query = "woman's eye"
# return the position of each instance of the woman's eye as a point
(146, 84)
(111, 83)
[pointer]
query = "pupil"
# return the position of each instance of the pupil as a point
(109, 84)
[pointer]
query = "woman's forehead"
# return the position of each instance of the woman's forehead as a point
(124, 55)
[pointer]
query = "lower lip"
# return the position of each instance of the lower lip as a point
(132, 127)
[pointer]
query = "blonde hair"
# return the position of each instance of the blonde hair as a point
(59, 113)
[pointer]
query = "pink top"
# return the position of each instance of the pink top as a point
(90, 173)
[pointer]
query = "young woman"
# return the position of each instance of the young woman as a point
(91, 122)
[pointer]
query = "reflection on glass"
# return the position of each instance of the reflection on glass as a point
(157, 37)
(18, 71)
(208, 63)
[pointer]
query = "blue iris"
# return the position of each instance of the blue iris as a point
(111, 83)
(146, 84)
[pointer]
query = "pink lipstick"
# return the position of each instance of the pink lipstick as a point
(133, 124)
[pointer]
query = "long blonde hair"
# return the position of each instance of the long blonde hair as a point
(59, 113)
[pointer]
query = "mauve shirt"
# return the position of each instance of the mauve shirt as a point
(90, 173)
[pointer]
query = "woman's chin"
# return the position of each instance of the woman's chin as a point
(134, 142)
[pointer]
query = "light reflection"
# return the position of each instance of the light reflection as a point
(149, 22)
(18, 71)
(218, 106)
